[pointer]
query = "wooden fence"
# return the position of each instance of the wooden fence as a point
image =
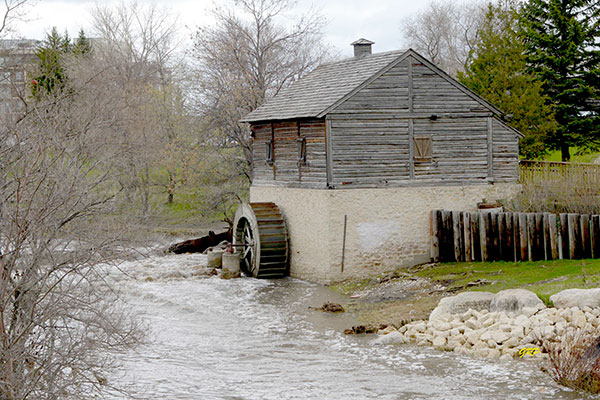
(494, 236)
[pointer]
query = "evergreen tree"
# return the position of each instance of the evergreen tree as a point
(562, 39)
(497, 72)
(50, 75)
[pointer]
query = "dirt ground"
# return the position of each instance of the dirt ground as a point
(391, 299)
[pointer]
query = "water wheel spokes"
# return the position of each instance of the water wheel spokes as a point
(261, 235)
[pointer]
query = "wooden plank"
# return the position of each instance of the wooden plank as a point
(524, 236)
(448, 237)
(554, 249)
(547, 239)
(572, 238)
(411, 149)
(468, 243)
(509, 239)
(565, 251)
(539, 253)
(475, 237)
(596, 236)
(531, 235)
(483, 233)
(457, 235)
(494, 249)
(329, 151)
(490, 149)
(586, 242)
(434, 235)
(517, 236)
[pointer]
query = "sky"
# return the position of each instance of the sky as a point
(347, 20)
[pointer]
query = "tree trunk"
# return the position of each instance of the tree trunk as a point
(564, 151)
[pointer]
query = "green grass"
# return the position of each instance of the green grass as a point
(541, 277)
(583, 158)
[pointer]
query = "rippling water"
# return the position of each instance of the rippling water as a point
(254, 339)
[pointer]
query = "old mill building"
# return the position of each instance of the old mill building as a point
(358, 152)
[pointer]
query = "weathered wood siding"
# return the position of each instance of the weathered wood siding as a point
(506, 153)
(433, 94)
(286, 170)
(368, 139)
(372, 133)
(459, 150)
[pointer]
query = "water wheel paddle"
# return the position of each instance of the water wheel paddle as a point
(261, 236)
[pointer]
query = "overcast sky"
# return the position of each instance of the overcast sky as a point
(348, 20)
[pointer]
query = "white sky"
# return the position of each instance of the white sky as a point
(348, 20)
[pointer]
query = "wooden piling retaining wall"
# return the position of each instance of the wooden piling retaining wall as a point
(495, 236)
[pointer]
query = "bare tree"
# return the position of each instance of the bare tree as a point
(247, 57)
(445, 32)
(59, 195)
(136, 54)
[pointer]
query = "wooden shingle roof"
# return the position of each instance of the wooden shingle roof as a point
(322, 88)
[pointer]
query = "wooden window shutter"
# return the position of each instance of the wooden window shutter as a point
(301, 143)
(269, 151)
(422, 147)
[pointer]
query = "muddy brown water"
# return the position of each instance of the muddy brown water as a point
(210, 338)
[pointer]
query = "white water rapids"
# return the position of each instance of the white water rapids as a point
(245, 338)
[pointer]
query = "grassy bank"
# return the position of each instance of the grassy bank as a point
(437, 280)
(541, 277)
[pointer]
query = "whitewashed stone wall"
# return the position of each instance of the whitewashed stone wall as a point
(386, 228)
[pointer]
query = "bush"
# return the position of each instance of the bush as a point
(574, 362)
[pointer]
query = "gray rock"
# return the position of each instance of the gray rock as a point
(460, 303)
(513, 301)
(577, 298)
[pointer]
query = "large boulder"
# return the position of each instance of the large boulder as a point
(576, 298)
(460, 303)
(512, 301)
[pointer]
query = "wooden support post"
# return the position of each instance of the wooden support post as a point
(457, 235)
(573, 225)
(494, 244)
(517, 236)
(434, 234)
(501, 235)
(483, 233)
(538, 254)
(524, 236)
(467, 234)
(553, 228)
(596, 236)
(448, 237)
(531, 235)
(586, 242)
(490, 149)
(475, 237)
(565, 251)
(546, 227)
(510, 239)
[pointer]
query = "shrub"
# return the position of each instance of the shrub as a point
(574, 362)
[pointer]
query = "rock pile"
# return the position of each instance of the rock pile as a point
(519, 320)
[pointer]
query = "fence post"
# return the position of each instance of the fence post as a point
(434, 234)
(467, 234)
(586, 247)
(565, 251)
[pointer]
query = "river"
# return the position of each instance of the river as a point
(209, 338)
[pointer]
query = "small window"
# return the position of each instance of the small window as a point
(301, 143)
(422, 147)
(270, 151)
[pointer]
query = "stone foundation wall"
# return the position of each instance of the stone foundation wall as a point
(386, 227)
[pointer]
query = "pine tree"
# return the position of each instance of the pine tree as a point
(497, 72)
(50, 54)
(562, 39)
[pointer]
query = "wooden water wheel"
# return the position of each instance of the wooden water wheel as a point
(260, 234)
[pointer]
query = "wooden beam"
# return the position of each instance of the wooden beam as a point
(411, 126)
(490, 149)
(329, 152)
